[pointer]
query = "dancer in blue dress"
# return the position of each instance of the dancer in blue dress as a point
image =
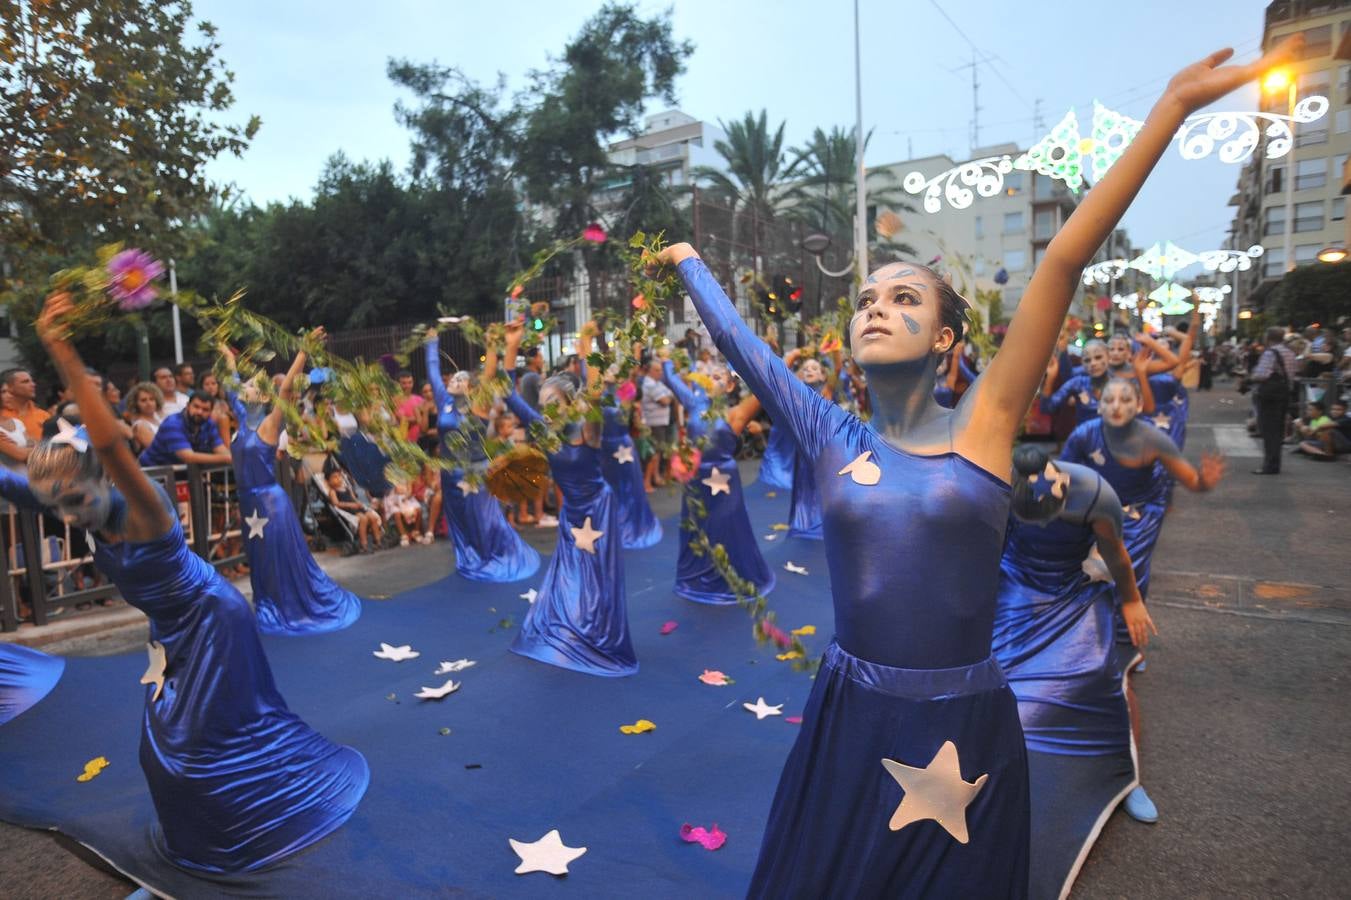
(776, 466)
(291, 594)
(909, 775)
(950, 369)
(1082, 389)
(238, 780)
(26, 676)
(804, 508)
(579, 619)
(717, 485)
(1054, 638)
(487, 548)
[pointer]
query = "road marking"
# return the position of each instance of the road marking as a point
(1234, 440)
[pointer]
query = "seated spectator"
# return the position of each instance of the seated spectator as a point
(407, 514)
(14, 443)
(1333, 438)
(188, 437)
(1315, 418)
(221, 413)
(368, 520)
(174, 399)
(19, 403)
(145, 411)
(426, 489)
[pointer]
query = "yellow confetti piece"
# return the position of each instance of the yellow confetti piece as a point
(638, 727)
(93, 768)
(791, 654)
(804, 630)
(780, 526)
(771, 493)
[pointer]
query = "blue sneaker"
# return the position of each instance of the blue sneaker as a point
(1140, 808)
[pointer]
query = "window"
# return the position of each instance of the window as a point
(1307, 137)
(1274, 223)
(978, 266)
(1273, 262)
(1342, 121)
(1338, 212)
(1338, 164)
(1275, 179)
(1043, 224)
(1311, 173)
(1317, 42)
(1344, 76)
(980, 228)
(1307, 253)
(1015, 260)
(1308, 83)
(1043, 188)
(1013, 183)
(1309, 216)
(1013, 223)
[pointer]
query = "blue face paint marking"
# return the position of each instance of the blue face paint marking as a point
(910, 323)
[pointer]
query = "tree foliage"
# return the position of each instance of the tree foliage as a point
(1318, 292)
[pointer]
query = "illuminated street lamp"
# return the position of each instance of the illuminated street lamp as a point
(1332, 254)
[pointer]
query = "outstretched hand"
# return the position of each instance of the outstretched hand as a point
(515, 331)
(1212, 469)
(1206, 81)
(49, 325)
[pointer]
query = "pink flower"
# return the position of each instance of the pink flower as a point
(626, 391)
(710, 838)
(639, 301)
(715, 678)
(682, 471)
(594, 233)
(669, 627)
(132, 272)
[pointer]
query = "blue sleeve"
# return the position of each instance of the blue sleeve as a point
(967, 372)
(678, 387)
(14, 488)
(171, 437)
(212, 435)
(516, 403)
(810, 417)
(236, 406)
(434, 373)
(1057, 401)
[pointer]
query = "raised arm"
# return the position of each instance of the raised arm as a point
(434, 371)
(1184, 350)
(739, 416)
(269, 430)
(999, 400)
(515, 402)
(1066, 393)
(1141, 363)
(1164, 358)
(684, 396)
(147, 516)
(811, 418)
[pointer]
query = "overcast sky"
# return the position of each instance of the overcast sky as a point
(314, 71)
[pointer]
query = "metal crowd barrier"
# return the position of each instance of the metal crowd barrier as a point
(64, 574)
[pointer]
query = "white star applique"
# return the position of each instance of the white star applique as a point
(863, 470)
(1098, 458)
(624, 454)
(717, 483)
(466, 486)
(585, 537)
(548, 854)
(1095, 567)
(256, 525)
(154, 672)
(762, 709)
(1163, 420)
(1130, 512)
(1085, 398)
(936, 792)
(530, 595)
(438, 693)
(395, 654)
(460, 664)
(1059, 480)
(68, 434)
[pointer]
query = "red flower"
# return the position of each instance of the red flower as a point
(594, 233)
(639, 302)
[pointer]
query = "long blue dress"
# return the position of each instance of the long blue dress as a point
(26, 676)
(624, 473)
(1054, 639)
(1080, 387)
(1171, 406)
(727, 522)
(914, 565)
(776, 466)
(291, 594)
(487, 548)
(237, 779)
(580, 617)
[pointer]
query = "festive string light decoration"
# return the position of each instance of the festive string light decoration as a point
(1230, 260)
(1206, 295)
(1061, 153)
(1172, 299)
(1104, 272)
(1162, 261)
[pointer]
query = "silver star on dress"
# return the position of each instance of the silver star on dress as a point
(936, 792)
(762, 709)
(1163, 420)
(256, 525)
(548, 854)
(718, 483)
(438, 693)
(466, 486)
(395, 654)
(793, 567)
(1098, 458)
(586, 536)
(624, 454)
(154, 673)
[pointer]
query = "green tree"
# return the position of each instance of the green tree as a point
(1313, 293)
(755, 184)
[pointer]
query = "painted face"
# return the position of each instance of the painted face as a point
(897, 318)
(811, 372)
(249, 392)
(1119, 403)
(722, 379)
(459, 384)
(82, 502)
(552, 396)
(1095, 360)
(1118, 351)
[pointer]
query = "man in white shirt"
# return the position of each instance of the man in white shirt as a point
(656, 411)
(174, 399)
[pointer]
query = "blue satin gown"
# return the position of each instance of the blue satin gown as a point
(1081, 389)
(487, 548)
(1170, 414)
(910, 670)
(237, 779)
(727, 522)
(776, 466)
(1054, 638)
(291, 594)
(26, 676)
(580, 618)
(624, 473)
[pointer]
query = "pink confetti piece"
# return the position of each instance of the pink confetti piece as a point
(793, 720)
(669, 627)
(715, 678)
(708, 838)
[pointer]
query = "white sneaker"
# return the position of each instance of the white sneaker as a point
(403, 541)
(547, 521)
(427, 538)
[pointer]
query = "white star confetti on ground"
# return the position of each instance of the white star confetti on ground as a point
(548, 854)
(456, 666)
(863, 470)
(795, 568)
(762, 709)
(154, 672)
(624, 454)
(718, 483)
(395, 654)
(438, 693)
(530, 595)
(586, 536)
(256, 525)
(935, 792)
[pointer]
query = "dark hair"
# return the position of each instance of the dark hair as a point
(1275, 334)
(1029, 460)
(181, 368)
(10, 374)
(403, 373)
(1318, 405)
(953, 308)
(201, 397)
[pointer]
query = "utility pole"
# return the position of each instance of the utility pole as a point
(975, 101)
(860, 175)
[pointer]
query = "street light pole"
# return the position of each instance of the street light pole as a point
(173, 311)
(1290, 186)
(860, 191)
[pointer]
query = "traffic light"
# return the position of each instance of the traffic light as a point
(785, 292)
(537, 323)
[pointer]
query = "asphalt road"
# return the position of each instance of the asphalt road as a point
(1246, 724)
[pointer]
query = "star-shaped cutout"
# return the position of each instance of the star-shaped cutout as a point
(67, 433)
(1098, 458)
(466, 486)
(624, 454)
(863, 470)
(256, 525)
(459, 665)
(530, 595)
(1085, 398)
(548, 854)
(1130, 512)
(395, 654)
(1163, 420)
(762, 709)
(585, 537)
(936, 792)
(154, 672)
(795, 568)
(718, 483)
(438, 693)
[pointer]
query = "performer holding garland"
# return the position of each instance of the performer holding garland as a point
(909, 774)
(237, 779)
(623, 471)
